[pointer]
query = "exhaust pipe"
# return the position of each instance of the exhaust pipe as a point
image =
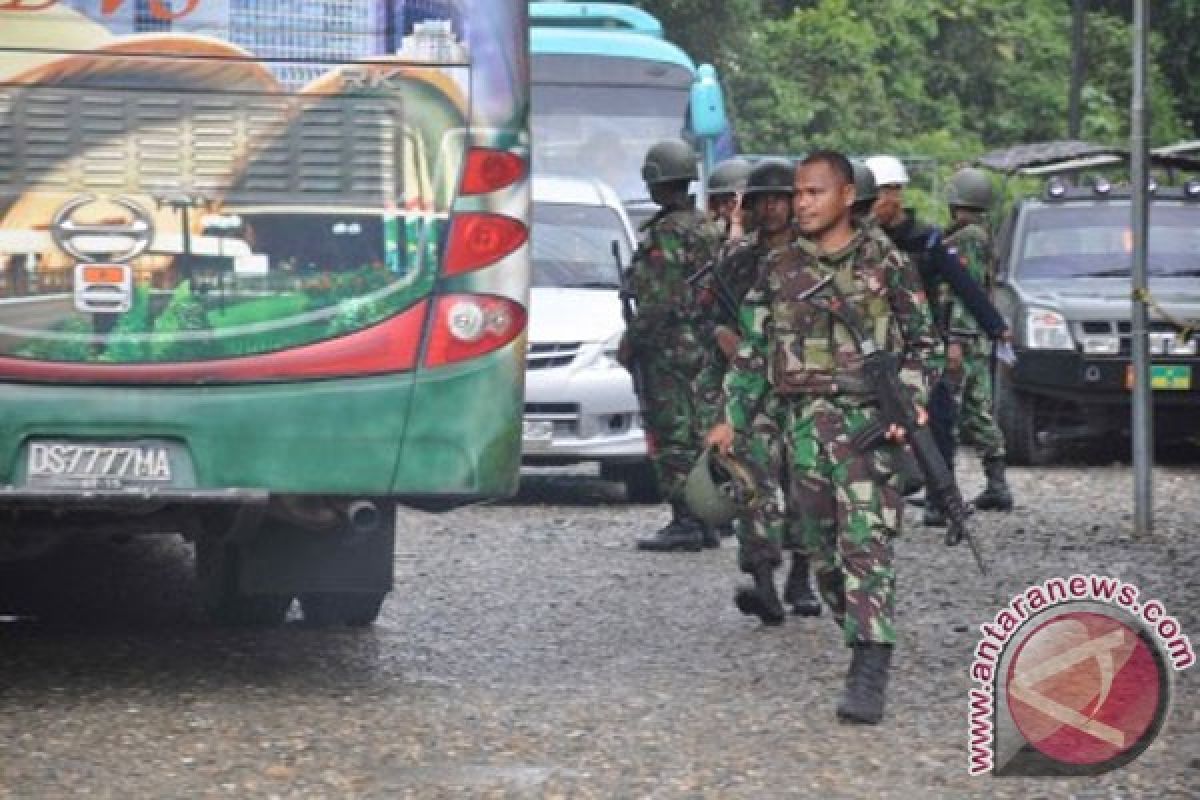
(363, 516)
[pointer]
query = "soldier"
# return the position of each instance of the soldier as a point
(725, 186)
(937, 266)
(866, 192)
(766, 529)
(668, 336)
(800, 350)
(969, 197)
(723, 281)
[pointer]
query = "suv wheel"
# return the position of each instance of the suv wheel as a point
(1017, 416)
(641, 484)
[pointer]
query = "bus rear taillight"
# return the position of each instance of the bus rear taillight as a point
(479, 238)
(469, 325)
(489, 170)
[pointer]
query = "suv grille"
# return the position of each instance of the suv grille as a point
(552, 354)
(564, 416)
(1162, 334)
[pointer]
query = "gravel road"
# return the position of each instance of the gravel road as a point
(529, 651)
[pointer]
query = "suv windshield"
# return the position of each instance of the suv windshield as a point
(1097, 241)
(572, 246)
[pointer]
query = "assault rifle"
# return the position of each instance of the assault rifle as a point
(881, 371)
(717, 285)
(626, 294)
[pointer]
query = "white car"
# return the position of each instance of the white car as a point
(579, 402)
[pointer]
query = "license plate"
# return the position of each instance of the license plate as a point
(537, 434)
(98, 465)
(1164, 377)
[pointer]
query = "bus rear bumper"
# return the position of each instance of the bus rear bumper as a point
(15, 497)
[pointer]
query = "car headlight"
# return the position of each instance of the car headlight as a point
(1047, 330)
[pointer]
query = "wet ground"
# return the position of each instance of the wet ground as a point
(529, 651)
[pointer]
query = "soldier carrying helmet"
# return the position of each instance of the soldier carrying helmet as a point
(668, 336)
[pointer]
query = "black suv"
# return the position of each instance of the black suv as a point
(1063, 283)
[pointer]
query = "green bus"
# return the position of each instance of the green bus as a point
(264, 274)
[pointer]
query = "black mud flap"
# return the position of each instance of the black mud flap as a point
(283, 558)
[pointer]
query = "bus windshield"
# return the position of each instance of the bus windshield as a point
(595, 116)
(604, 131)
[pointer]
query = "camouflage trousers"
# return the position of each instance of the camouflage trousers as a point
(673, 426)
(976, 425)
(848, 505)
(706, 387)
(768, 525)
(763, 531)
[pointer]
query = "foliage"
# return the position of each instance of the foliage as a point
(73, 346)
(196, 326)
(185, 315)
(123, 348)
(948, 79)
(259, 309)
(710, 30)
(1174, 25)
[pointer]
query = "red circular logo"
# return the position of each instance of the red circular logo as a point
(1084, 688)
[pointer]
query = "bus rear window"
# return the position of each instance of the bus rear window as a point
(243, 215)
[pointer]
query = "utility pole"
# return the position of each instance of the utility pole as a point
(1143, 400)
(1078, 67)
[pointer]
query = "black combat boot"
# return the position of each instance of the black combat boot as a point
(683, 532)
(798, 591)
(996, 495)
(710, 536)
(761, 600)
(866, 684)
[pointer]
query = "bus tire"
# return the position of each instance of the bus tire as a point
(223, 601)
(330, 609)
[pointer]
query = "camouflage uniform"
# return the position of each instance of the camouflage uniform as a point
(764, 528)
(670, 337)
(849, 500)
(976, 426)
(735, 272)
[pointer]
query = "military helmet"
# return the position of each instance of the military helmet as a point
(669, 160)
(970, 188)
(729, 176)
(771, 175)
(865, 189)
(718, 488)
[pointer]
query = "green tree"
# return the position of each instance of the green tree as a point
(946, 79)
(1177, 55)
(709, 30)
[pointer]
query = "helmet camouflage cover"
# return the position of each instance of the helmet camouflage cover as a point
(669, 160)
(771, 175)
(729, 176)
(970, 188)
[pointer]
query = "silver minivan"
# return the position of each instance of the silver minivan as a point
(579, 402)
